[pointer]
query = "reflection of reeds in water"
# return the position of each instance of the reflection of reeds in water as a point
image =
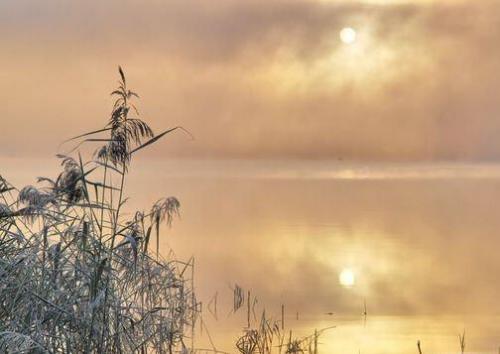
(77, 275)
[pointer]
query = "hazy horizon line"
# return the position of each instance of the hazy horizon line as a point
(292, 169)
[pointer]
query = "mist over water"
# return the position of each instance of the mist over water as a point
(423, 247)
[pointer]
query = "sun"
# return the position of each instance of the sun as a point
(347, 278)
(348, 35)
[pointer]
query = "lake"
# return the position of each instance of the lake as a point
(421, 241)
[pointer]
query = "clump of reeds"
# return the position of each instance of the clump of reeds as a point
(268, 336)
(77, 276)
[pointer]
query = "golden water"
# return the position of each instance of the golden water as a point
(422, 240)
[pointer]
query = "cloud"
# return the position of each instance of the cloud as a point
(255, 79)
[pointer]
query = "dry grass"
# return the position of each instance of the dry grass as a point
(268, 336)
(77, 276)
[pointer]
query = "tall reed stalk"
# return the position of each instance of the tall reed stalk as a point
(76, 274)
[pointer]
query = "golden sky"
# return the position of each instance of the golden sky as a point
(258, 79)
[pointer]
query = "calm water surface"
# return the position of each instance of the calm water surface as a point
(422, 240)
(388, 334)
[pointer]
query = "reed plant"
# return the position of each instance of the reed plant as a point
(77, 274)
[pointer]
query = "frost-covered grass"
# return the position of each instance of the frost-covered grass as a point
(77, 276)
